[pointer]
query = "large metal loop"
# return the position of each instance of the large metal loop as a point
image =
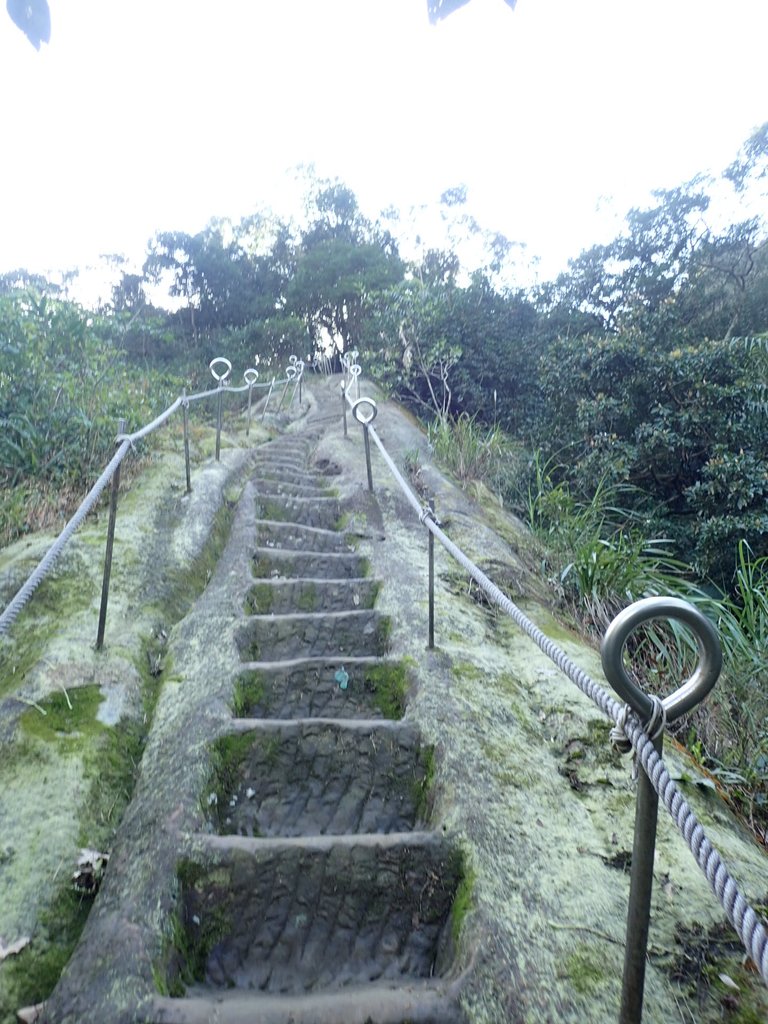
(694, 689)
(360, 415)
(227, 369)
(250, 376)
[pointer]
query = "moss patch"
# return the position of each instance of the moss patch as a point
(228, 754)
(65, 593)
(424, 782)
(585, 968)
(185, 585)
(307, 599)
(463, 901)
(203, 919)
(249, 694)
(259, 600)
(30, 976)
(388, 684)
(66, 718)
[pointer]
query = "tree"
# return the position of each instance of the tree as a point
(342, 261)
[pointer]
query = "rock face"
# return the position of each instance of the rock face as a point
(332, 823)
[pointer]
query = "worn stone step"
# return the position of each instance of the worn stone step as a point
(297, 537)
(293, 916)
(415, 1003)
(340, 634)
(312, 687)
(321, 512)
(313, 635)
(319, 776)
(276, 563)
(310, 595)
(278, 485)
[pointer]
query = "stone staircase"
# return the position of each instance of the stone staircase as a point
(319, 893)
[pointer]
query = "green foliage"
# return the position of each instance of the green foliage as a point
(63, 388)
(678, 425)
(468, 449)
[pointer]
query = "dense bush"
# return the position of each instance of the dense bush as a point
(63, 388)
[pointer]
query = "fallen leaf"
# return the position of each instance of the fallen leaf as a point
(29, 1014)
(728, 982)
(15, 947)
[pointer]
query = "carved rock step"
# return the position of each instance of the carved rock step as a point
(297, 537)
(294, 916)
(325, 634)
(415, 1003)
(304, 486)
(275, 563)
(321, 777)
(310, 595)
(310, 688)
(321, 512)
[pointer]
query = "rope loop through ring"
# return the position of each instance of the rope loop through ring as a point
(220, 378)
(694, 689)
(361, 416)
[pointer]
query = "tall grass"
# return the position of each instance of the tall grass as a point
(598, 558)
(466, 448)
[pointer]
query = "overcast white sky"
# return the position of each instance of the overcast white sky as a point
(145, 115)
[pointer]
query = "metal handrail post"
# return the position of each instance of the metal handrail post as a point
(431, 551)
(365, 419)
(109, 548)
(218, 421)
(266, 403)
(185, 409)
(367, 440)
(250, 376)
(221, 379)
(640, 890)
(655, 713)
(344, 407)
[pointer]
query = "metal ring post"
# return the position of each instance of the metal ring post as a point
(365, 419)
(266, 403)
(250, 376)
(221, 379)
(355, 370)
(110, 545)
(290, 374)
(185, 409)
(687, 696)
(431, 553)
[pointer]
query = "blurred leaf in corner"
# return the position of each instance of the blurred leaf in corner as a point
(438, 9)
(33, 18)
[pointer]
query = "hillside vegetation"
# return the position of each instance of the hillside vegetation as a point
(621, 409)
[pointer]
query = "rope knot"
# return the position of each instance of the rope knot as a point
(426, 513)
(654, 727)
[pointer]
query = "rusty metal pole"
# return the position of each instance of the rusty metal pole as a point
(269, 395)
(640, 891)
(655, 714)
(218, 421)
(185, 407)
(110, 545)
(431, 547)
(367, 440)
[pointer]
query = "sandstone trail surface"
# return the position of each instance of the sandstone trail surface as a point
(333, 824)
(276, 863)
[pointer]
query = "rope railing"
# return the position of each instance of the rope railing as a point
(125, 443)
(747, 923)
